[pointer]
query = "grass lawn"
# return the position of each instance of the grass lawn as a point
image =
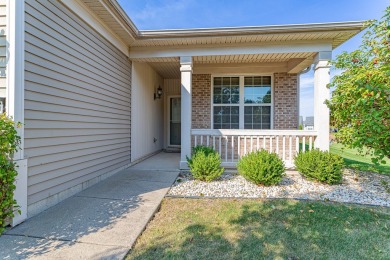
(270, 229)
(353, 160)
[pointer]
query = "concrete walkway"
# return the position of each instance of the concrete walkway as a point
(102, 222)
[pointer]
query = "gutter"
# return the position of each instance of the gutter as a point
(128, 24)
(247, 30)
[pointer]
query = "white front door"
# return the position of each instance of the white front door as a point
(175, 121)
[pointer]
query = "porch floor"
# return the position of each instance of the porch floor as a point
(160, 161)
(103, 221)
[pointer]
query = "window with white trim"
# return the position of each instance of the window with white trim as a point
(242, 102)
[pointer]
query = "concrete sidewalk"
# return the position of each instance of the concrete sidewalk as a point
(102, 222)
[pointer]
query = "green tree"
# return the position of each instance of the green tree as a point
(9, 144)
(360, 103)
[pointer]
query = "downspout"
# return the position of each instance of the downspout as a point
(299, 90)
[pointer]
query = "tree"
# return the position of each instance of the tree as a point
(360, 103)
(9, 144)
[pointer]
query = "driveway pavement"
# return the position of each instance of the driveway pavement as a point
(102, 222)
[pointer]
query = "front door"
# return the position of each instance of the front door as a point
(175, 121)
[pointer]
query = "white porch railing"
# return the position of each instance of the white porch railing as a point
(233, 143)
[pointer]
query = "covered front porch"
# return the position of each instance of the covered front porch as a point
(241, 94)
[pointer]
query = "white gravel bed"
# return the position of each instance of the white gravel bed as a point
(357, 187)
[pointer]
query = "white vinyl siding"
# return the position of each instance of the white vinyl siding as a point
(77, 101)
(3, 46)
(147, 112)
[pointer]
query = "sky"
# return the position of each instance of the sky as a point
(182, 14)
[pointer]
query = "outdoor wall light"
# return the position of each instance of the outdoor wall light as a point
(158, 94)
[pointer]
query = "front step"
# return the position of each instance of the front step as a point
(172, 150)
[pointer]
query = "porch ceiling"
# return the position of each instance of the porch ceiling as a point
(169, 67)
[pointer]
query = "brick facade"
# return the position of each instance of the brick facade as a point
(285, 101)
(201, 101)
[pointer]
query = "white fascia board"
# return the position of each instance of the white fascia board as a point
(95, 22)
(122, 14)
(236, 49)
(244, 30)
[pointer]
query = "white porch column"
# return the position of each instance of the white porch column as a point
(186, 109)
(15, 96)
(321, 93)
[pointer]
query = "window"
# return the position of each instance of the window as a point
(257, 102)
(226, 99)
(242, 102)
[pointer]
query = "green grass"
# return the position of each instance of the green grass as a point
(271, 229)
(355, 161)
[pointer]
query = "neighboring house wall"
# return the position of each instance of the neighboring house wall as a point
(201, 101)
(77, 105)
(147, 113)
(309, 127)
(3, 47)
(286, 101)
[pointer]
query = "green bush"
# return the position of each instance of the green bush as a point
(261, 167)
(321, 166)
(9, 144)
(205, 163)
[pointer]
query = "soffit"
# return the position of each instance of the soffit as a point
(335, 37)
(113, 18)
(170, 67)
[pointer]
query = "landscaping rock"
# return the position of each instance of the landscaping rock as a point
(357, 187)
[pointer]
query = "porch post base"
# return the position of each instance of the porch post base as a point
(184, 165)
(20, 194)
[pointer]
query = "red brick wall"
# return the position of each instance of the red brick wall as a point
(285, 101)
(201, 101)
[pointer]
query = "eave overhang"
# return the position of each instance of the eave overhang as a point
(110, 12)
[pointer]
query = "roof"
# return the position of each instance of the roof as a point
(112, 14)
(116, 18)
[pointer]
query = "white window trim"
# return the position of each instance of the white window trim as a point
(241, 103)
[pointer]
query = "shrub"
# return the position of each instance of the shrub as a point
(321, 166)
(9, 143)
(261, 167)
(205, 163)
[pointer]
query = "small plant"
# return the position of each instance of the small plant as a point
(205, 163)
(320, 165)
(9, 144)
(261, 167)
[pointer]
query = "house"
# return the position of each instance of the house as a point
(308, 124)
(300, 120)
(95, 94)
